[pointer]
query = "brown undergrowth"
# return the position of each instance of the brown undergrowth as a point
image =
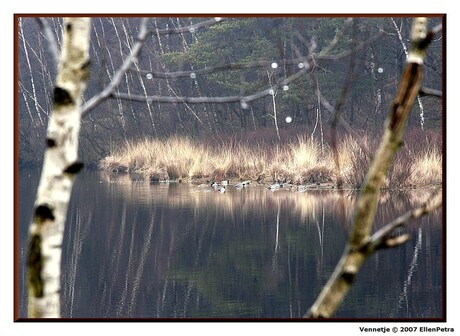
(299, 161)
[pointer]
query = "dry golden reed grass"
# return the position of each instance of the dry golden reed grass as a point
(301, 161)
(426, 169)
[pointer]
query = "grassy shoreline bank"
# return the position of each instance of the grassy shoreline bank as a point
(300, 162)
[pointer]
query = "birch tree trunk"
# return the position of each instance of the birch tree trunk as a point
(59, 170)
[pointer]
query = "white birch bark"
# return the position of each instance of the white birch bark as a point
(59, 168)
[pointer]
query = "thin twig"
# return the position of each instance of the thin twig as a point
(424, 91)
(355, 252)
(188, 29)
(108, 90)
(52, 44)
(132, 57)
(383, 238)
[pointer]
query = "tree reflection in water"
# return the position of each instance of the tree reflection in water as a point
(138, 250)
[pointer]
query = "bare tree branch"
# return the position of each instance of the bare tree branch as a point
(132, 57)
(338, 118)
(420, 104)
(227, 99)
(188, 29)
(52, 44)
(347, 53)
(424, 91)
(324, 54)
(311, 46)
(437, 29)
(332, 110)
(354, 255)
(108, 90)
(384, 237)
(230, 66)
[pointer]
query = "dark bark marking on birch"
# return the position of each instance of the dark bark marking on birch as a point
(35, 264)
(74, 168)
(50, 143)
(43, 213)
(62, 96)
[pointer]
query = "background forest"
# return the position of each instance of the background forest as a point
(234, 57)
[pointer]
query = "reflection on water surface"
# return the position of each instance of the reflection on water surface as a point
(141, 250)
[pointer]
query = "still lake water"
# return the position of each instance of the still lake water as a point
(138, 250)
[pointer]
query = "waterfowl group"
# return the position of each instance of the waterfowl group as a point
(221, 186)
(242, 184)
(302, 188)
(274, 186)
(280, 184)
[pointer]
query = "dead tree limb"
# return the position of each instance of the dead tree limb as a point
(212, 69)
(190, 28)
(385, 237)
(354, 253)
(227, 99)
(424, 91)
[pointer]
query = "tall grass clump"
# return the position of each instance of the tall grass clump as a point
(309, 162)
(299, 161)
(425, 151)
(304, 153)
(354, 159)
(426, 169)
(240, 161)
(174, 158)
